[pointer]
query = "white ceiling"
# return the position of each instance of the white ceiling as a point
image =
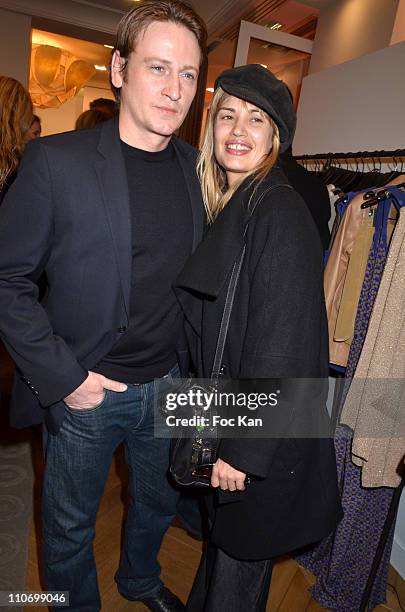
(73, 15)
(205, 8)
(103, 15)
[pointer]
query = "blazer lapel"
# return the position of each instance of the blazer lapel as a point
(194, 190)
(112, 176)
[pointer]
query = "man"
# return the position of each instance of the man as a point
(105, 105)
(110, 214)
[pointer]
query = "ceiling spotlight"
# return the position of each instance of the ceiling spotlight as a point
(102, 68)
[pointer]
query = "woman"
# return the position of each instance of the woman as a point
(15, 121)
(90, 118)
(277, 330)
(35, 129)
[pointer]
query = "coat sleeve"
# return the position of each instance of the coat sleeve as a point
(47, 364)
(286, 319)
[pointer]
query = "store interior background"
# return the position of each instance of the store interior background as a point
(349, 92)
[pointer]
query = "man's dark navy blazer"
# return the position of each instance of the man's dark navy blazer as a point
(68, 213)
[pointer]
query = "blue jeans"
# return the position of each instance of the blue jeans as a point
(78, 459)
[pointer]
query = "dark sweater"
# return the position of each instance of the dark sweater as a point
(161, 242)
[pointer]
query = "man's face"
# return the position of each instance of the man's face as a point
(159, 85)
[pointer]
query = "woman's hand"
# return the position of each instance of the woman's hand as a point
(226, 477)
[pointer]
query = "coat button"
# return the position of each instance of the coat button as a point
(122, 329)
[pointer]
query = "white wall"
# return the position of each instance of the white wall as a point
(15, 42)
(355, 106)
(92, 93)
(350, 28)
(62, 119)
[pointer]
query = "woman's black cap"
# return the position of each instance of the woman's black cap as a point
(260, 87)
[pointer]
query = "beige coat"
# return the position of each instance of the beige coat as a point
(344, 274)
(375, 405)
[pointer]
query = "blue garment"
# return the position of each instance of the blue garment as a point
(78, 459)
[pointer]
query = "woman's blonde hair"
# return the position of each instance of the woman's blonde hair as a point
(15, 120)
(215, 190)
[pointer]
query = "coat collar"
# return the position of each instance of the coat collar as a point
(208, 268)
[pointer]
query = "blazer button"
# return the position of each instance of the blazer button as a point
(122, 329)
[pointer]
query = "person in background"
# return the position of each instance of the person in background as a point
(111, 214)
(105, 105)
(277, 332)
(35, 129)
(15, 121)
(90, 118)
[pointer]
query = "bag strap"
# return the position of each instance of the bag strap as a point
(230, 295)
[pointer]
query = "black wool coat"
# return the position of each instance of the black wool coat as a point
(278, 329)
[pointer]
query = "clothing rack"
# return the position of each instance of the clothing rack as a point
(324, 160)
(371, 198)
(353, 156)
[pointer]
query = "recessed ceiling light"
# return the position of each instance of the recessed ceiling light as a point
(109, 46)
(210, 89)
(102, 68)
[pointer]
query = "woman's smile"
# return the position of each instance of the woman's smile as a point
(243, 136)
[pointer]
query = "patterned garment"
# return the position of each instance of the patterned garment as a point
(369, 290)
(342, 562)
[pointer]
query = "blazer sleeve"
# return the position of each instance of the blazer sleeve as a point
(47, 364)
(286, 319)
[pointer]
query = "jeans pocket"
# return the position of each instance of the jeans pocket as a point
(91, 409)
(173, 374)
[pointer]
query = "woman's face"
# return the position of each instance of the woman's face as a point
(242, 137)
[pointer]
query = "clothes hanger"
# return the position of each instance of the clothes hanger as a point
(372, 198)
